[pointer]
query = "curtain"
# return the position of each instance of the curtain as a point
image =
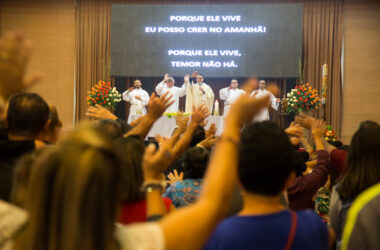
(92, 45)
(322, 43)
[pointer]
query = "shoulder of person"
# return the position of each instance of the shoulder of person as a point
(12, 219)
(140, 236)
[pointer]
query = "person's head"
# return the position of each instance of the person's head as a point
(112, 128)
(170, 82)
(132, 149)
(137, 84)
(199, 78)
(198, 136)
(363, 163)
(51, 132)
(266, 159)
(27, 115)
(73, 194)
(369, 124)
(195, 162)
(262, 84)
(234, 83)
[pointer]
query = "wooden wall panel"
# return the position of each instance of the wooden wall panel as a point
(361, 89)
(50, 25)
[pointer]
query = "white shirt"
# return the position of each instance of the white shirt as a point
(162, 88)
(137, 106)
(140, 236)
(195, 97)
(229, 96)
(264, 114)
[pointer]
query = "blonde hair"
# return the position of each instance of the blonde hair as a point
(73, 195)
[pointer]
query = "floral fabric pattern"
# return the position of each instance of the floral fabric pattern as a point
(184, 192)
(322, 204)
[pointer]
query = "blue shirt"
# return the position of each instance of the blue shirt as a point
(269, 232)
(184, 192)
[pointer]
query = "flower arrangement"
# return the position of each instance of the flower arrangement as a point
(104, 95)
(303, 98)
(330, 134)
(174, 114)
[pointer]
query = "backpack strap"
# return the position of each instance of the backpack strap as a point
(293, 230)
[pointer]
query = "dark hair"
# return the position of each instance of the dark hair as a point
(198, 136)
(27, 114)
(300, 163)
(337, 144)
(369, 124)
(266, 158)
(363, 163)
(111, 127)
(195, 162)
(132, 148)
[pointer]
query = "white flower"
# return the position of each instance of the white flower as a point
(288, 94)
(292, 104)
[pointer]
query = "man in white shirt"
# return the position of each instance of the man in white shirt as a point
(138, 98)
(198, 93)
(229, 95)
(167, 85)
(274, 102)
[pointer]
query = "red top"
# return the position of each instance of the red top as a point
(338, 159)
(136, 211)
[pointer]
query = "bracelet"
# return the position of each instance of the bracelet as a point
(148, 187)
(155, 217)
(230, 139)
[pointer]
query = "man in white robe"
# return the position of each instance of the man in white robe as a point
(167, 85)
(138, 98)
(198, 93)
(229, 95)
(274, 102)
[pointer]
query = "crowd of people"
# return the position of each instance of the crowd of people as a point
(103, 186)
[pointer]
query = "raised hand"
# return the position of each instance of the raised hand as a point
(174, 177)
(181, 122)
(295, 130)
(166, 77)
(100, 112)
(186, 78)
(195, 73)
(211, 131)
(14, 56)
(246, 107)
(199, 114)
(155, 161)
(305, 121)
(158, 105)
(208, 142)
(137, 121)
(318, 128)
